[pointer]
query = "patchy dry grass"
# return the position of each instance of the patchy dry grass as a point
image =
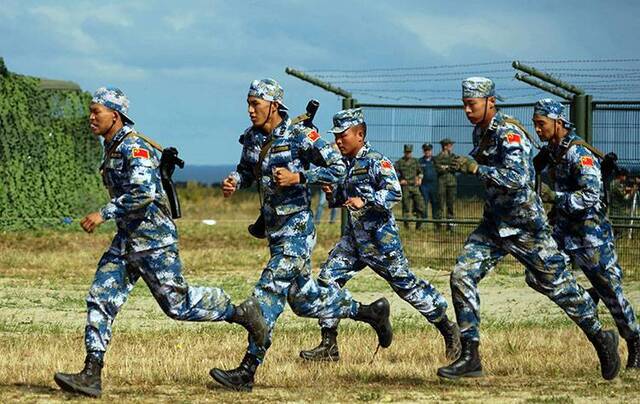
(532, 353)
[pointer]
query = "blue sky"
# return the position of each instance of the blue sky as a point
(186, 66)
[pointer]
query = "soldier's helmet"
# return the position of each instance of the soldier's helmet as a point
(446, 141)
(115, 99)
(408, 148)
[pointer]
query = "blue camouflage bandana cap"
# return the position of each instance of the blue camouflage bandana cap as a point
(268, 90)
(346, 119)
(478, 87)
(552, 109)
(113, 98)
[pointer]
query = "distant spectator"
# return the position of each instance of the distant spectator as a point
(447, 185)
(429, 181)
(410, 176)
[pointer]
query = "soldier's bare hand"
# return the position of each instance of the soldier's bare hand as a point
(403, 182)
(91, 221)
(354, 203)
(417, 181)
(327, 189)
(228, 187)
(285, 178)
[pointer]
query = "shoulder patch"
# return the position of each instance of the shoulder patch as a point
(386, 166)
(586, 161)
(513, 138)
(140, 153)
(313, 135)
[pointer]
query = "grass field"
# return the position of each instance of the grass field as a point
(531, 352)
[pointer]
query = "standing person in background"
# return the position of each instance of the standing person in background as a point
(429, 181)
(447, 184)
(410, 175)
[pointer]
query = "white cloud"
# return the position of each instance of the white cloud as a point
(442, 34)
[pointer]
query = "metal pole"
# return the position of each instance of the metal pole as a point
(588, 136)
(579, 116)
(547, 77)
(319, 83)
(545, 87)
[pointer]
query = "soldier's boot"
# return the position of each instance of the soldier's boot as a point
(451, 334)
(249, 315)
(327, 350)
(376, 315)
(468, 363)
(88, 382)
(633, 347)
(240, 378)
(594, 295)
(606, 345)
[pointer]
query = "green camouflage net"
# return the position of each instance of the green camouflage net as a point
(48, 156)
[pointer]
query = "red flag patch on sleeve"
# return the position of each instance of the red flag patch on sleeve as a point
(140, 153)
(586, 161)
(513, 138)
(313, 136)
(387, 167)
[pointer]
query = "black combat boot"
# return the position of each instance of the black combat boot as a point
(376, 315)
(633, 347)
(467, 365)
(606, 345)
(327, 350)
(87, 382)
(249, 315)
(451, 334)
(240, 378)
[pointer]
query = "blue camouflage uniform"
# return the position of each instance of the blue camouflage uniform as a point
(371, 236)
(289, 223)
(429, 183)
(146, 242)
(513, 222)
(581, 226)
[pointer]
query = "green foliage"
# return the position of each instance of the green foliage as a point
(48, 157)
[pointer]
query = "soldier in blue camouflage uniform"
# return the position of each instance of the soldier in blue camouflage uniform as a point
(278, 156)
(515, 223)
(580, 224)
(145, 245)
(371, 238)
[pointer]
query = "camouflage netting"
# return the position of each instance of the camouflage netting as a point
(48, 156)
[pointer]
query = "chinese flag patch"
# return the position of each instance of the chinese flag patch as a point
(140, 153)
(586, 161)
(313, 135)
(387, 167)
(513, 138)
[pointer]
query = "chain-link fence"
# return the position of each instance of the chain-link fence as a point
(437, 244)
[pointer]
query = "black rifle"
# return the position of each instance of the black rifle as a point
(258, 228)
(168, 163)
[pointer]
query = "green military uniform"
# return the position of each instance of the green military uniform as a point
(619, 202)
(447, 185)
(409, 170)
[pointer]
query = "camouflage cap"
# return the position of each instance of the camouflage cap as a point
(268, 90)
(347, 118)
(478, 87)
(408, 148)
(446, 140)
(427, 146)
(551, 109)
(113, 98)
